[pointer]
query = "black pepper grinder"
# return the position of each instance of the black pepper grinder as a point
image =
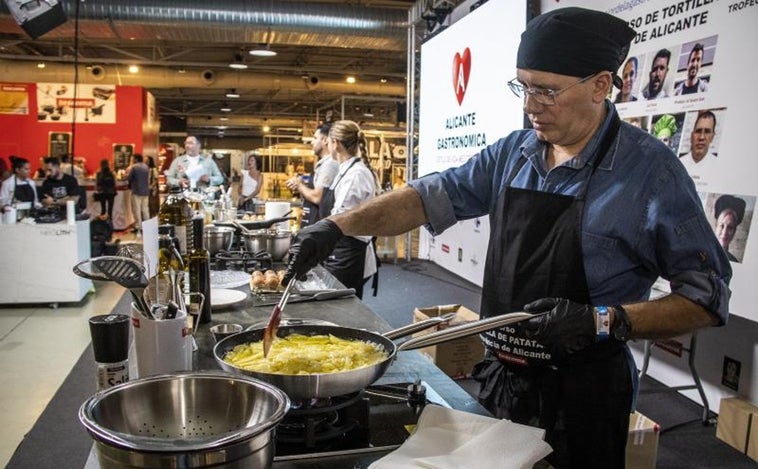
(110, 342)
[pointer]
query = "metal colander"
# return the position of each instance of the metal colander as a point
(210, 416)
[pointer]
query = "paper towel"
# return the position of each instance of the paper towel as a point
(276, 210)
(452, 439)
(70, 212)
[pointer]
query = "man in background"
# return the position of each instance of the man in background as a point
(324, 172)
(139, 182)
(58, 187)
(693, 83)
(193, 170)
(655, 87)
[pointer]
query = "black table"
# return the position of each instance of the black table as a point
(58, 439)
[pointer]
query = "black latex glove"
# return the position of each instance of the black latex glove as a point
(566, 326)
(311, 245)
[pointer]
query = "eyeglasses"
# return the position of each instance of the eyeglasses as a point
(541, 95)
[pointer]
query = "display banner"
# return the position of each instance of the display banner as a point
(14, 98)
(686, 82)
(94, 104)
(465, 105)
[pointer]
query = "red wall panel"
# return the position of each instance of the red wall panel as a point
(23, 135)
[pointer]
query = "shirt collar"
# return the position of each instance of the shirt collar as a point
(533, 149)
(345, 165)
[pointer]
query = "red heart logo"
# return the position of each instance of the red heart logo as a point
(461, 72)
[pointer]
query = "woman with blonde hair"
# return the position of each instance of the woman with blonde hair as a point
(353, 260)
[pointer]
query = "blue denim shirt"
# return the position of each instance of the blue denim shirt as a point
(642, 218)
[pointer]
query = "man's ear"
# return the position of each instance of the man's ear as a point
(603, 83)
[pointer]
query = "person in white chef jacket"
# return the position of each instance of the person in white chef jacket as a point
(353, 259)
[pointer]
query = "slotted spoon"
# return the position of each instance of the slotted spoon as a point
(128, 273)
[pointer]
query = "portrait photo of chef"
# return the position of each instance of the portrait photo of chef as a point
(694, 66)
(629, 74)
(668, 129)
(658, 85)
(698, 151)
(730, 216)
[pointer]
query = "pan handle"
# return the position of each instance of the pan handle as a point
(241, 227)
(418, 326)
(463, 330)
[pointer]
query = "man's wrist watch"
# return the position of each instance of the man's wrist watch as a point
(621, 329)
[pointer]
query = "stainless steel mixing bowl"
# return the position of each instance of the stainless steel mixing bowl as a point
(217, 238)
(192, 419)
(276, 243)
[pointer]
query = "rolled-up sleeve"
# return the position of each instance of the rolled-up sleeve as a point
(689, 254)
(437, 205)
(469, 190)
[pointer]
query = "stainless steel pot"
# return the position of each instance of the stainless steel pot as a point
(217, 238)
(276, 243)
(303, 387)
(194, 419)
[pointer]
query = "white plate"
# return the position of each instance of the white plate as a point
(221, 297)
(229, 278)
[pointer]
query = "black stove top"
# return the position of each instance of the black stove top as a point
(242, 260)
(351, 431)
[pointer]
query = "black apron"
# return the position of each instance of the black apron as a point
(348, 259)
(23, 192)
(311, 210)
(582, 400)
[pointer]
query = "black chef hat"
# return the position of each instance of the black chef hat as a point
(575, 42)
(732, 203)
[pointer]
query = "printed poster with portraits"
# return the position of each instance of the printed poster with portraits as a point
(686, 81)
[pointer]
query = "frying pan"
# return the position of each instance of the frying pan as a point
(302, 387)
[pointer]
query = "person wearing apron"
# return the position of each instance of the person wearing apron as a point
(324, 172)
(19, 189)
(586, 212)
(352, 259)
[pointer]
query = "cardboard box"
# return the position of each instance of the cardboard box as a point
(737, 425)
(458, 357)
(642, 445)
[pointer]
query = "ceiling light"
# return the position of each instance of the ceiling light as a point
(383, 80)
(133, 69)
(182, 70)
(225, 108)
(232, 93)
(223, 118)
(238, 63)
(263, 51)
(41, 65)
(350, 79)
(368, 113)
(266, 128)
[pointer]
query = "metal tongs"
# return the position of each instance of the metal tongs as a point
(275, 319)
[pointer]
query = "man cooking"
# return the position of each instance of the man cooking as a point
(193, 170)
(586, 213)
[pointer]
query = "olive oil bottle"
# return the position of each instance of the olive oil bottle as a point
(200, 270)
(176, 211)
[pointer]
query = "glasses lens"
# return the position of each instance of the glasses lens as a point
(516, 88)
